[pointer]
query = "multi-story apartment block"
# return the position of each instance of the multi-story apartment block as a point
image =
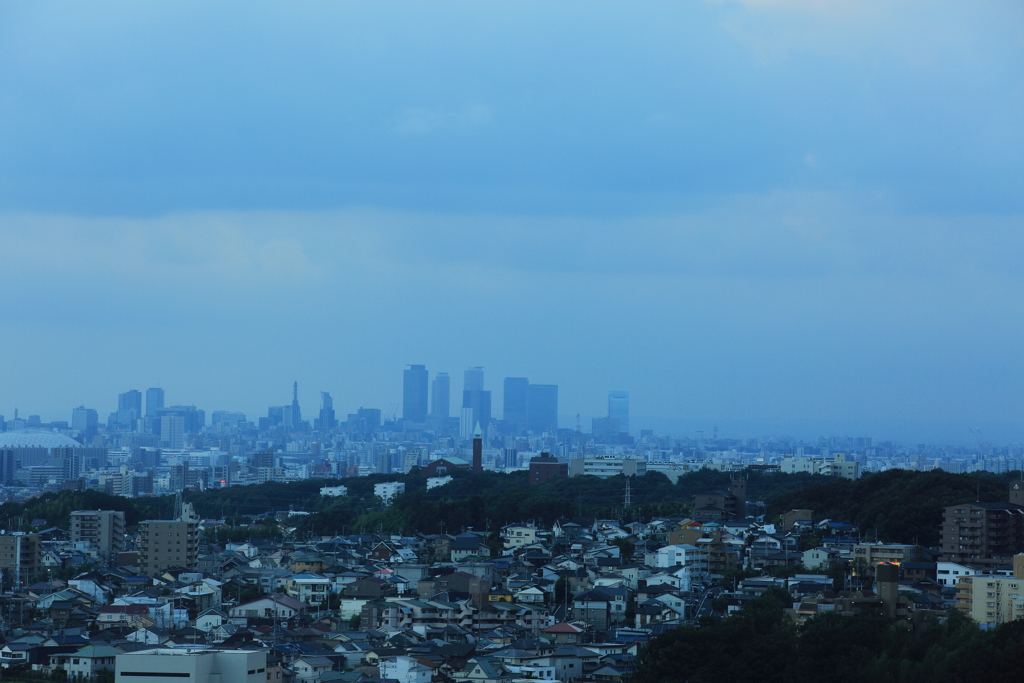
(21, 556)
(868, 555)
(992, 600)
(388, 490)
(839, 465)
(102, 529)
(169, 543)
(982, 533)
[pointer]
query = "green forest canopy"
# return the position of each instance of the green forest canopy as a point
(896, 505)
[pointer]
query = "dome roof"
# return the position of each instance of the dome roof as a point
(24, 438)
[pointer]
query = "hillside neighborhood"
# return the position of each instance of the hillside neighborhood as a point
(572, 602)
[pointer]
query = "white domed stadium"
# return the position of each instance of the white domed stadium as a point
(28, 438)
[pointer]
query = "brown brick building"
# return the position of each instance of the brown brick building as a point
(987, 534)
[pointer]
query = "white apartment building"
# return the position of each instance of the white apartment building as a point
(605, 466)
(991, 600)
(333, 491)
(837, 466)
(388, 490)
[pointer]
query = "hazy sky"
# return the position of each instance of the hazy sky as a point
(775, 215)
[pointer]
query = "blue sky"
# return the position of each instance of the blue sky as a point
(784, 215)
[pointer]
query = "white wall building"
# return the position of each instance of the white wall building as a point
(517, 536)
(333, 491)
(388, 490)
(404, 669)
(226, 666)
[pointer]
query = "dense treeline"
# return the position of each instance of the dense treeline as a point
(899, 506)
(56, 508)
(760, 643)
(490, 500)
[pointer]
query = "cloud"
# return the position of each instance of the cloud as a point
(423, 120)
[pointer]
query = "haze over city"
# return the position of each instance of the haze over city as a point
(773, 216)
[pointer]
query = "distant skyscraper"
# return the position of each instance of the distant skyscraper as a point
(414, 394)
(475, 397)
(473, 379)
(154, 404)
(172, 431)
(85, 421)
(327, 419)
(129, 408)
(441, 401)
(618, 408)
(542, 408)
(515, 403)
(154, 401)
(130, 400)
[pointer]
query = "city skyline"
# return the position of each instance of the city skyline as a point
(932, 433)
(786, 216)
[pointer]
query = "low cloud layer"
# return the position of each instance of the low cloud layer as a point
(768, 210)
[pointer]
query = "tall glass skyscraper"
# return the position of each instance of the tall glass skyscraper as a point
(515, 404)
(441, 391)
(414, 394)
(475, 398)
(618, 408)
(542, 408)
(327, 419)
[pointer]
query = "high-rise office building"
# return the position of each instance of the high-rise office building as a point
(618, 408)
(85, 421)
(327, 419)
(542, 408)
(172, 431)
(414, 394)
(154, 403)
(515, 404)
(130, 400)
(473, 379)
(194, 419)
(441, 389)
(70, 461)
(476, 398)
(129, 409)
(479, 402)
